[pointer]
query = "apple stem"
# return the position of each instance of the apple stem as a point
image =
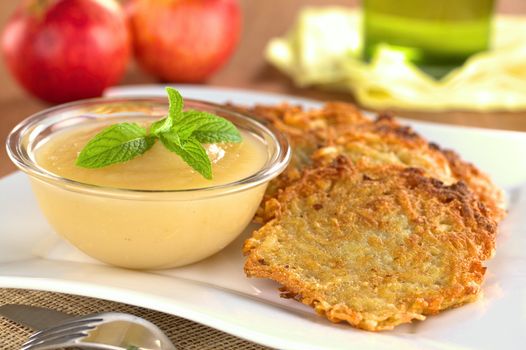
(38, 7)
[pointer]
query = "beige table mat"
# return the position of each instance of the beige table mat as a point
(185, 334)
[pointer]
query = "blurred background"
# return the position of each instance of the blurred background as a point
(254, 66)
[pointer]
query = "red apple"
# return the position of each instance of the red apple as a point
(64, 50)
(184, 40)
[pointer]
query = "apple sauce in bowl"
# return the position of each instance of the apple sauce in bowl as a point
(153, 211)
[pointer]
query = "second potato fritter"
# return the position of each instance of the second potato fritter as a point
(318, 136)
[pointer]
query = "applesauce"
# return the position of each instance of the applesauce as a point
(157, 169)
(153, 211)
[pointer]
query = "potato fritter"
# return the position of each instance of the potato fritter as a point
(375, 246)
(319, 136)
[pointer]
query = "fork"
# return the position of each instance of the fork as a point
(108, 331)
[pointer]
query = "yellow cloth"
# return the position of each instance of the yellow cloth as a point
(324, 46)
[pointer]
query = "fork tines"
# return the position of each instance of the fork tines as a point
(54, 337)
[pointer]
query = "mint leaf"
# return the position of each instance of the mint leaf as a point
(176, 104)
(115, 144)
(206, 128)
(174, 113)
(191, 151)
(161, 126)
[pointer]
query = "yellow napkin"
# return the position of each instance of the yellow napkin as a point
(323, 49)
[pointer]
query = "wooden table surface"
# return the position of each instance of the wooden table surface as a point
(263, 19)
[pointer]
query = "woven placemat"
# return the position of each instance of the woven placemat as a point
(185, 334)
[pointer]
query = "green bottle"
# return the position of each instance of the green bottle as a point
(437, 35)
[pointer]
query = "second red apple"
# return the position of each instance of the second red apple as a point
(184, 40)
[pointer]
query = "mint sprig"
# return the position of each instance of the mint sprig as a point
(182, 132)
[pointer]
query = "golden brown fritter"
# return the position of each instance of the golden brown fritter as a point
(374, 246)
(319, 136)
(309, 132)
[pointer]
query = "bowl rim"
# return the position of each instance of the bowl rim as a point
(276, 163)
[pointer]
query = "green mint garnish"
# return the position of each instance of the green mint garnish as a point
(182, 132)
(206, 128)
(191, 151)
(115, 144)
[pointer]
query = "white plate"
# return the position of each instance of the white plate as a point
(216, 293)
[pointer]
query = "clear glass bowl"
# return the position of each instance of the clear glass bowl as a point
(143, 229)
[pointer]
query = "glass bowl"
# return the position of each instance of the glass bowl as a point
(143, 229)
